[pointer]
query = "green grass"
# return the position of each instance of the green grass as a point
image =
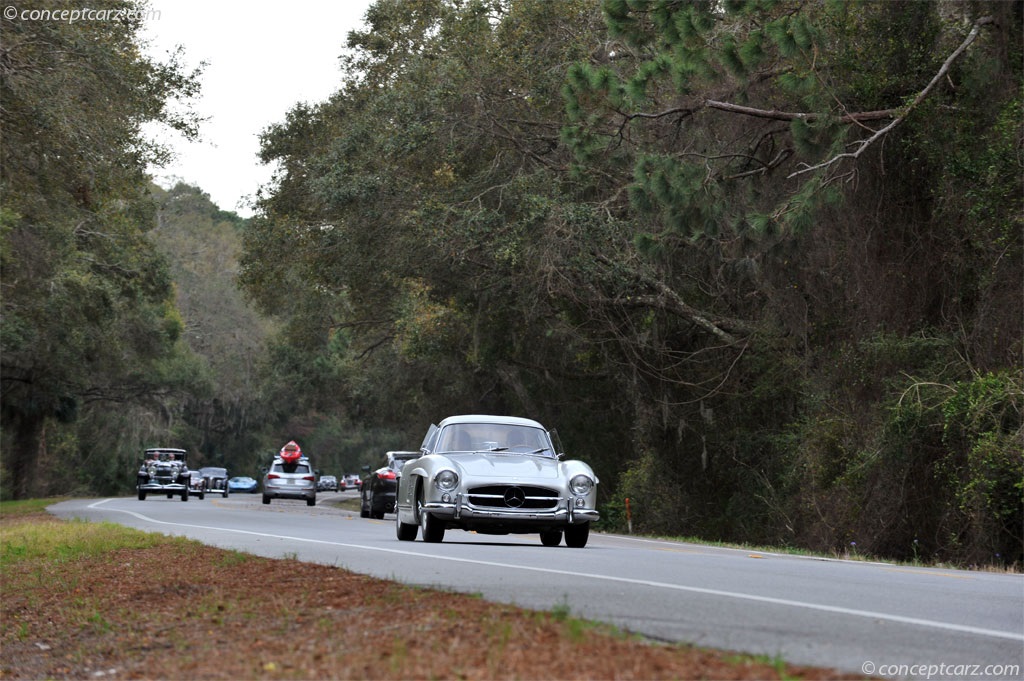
(13, 509)
(70, 540)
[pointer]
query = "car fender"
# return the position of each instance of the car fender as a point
(575, 467)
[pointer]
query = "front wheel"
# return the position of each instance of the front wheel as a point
(404, 531)
(576, 535)
(142, 495)
(433, 529)
(184, 495)
(551, 537)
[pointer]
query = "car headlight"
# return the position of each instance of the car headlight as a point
(446, 480)
(581, 484)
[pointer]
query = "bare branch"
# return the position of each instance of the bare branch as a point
(905, 111)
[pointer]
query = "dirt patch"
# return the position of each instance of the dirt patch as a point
(185, 611)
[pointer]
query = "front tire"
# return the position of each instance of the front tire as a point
(551, 537)
(576, 535)
(142, 495)
(433, 529)
(404, 531)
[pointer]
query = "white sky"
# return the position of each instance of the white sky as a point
(262, 58)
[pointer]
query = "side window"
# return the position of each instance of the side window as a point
(430, 440)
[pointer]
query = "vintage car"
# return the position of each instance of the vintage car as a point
(377, 493)
(216, 479)
(164, 470)
(495, 475)
(196, 484)
(327, 483)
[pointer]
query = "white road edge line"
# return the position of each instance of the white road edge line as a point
(623, 580)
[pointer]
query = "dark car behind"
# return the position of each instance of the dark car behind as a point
(378, 489)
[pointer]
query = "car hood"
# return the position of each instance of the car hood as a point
(496, 465)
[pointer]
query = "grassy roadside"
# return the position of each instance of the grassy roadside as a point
(91, 600)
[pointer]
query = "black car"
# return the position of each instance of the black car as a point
(164, 470)
(378, 489)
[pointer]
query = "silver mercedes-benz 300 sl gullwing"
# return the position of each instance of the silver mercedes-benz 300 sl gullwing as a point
(495, 475)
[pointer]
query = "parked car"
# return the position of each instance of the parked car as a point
(164, 470)
(290, 476)
(216, 479)
(196, 484)
(351, 481)
(327, 483)
(377, 493)
(495, 475)
(243, 483)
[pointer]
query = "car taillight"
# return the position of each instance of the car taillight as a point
(308, 477)
(272, 476)
(386, 475)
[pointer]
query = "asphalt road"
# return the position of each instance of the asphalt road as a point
(879, 619)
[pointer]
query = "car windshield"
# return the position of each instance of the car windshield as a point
(493, 437)
(290, 468)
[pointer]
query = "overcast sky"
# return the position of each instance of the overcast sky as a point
(262, 59)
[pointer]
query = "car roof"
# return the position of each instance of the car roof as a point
(483, 418)
(165, 449)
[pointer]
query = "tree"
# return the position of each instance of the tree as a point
(88, 312)
(202, 244)
(640, 224)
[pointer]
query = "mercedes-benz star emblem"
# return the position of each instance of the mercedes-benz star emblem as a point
(514, 497)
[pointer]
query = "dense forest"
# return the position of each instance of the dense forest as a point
(760, 262)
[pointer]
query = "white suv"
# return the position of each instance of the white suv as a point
(290, 481)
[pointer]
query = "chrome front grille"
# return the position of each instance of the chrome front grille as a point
(514, 497)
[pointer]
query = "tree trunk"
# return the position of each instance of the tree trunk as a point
(24, 455)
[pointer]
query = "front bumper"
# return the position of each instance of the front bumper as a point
(460, 510)
(289, 492)
(158, 487)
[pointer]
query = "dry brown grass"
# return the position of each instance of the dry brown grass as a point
(181, 610)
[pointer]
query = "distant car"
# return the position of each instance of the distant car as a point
(495, 475)
(377, 493)
(164, 470)
(196, 484)
(327, 483)
(290, 476)
(216, 479)
(350, 482)
(243, 483)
